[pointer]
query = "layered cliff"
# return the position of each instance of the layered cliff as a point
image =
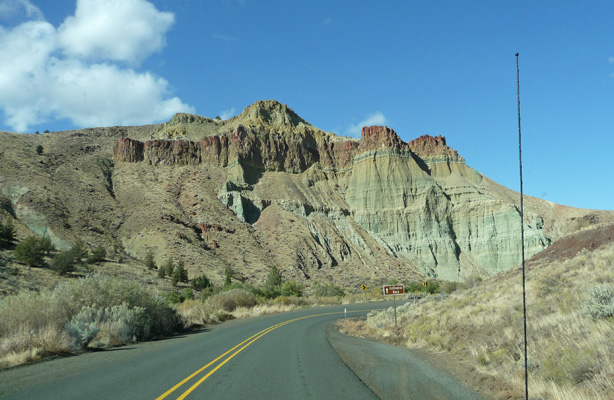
(350, 202)
(268, 188)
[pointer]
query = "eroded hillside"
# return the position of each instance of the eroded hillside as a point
(267, 188)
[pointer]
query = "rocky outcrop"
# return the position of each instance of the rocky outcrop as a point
(418, 201)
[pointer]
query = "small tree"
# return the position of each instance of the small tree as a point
(63, 262)
(179, 274)
(272, 286)
(161, 271)
(39, 149)
(168, 268)
(97, 256)
(228, 276)
(201, 283)
(29, 252)
(149, 260)
(7, 232)
(46, 245)
(79, 252)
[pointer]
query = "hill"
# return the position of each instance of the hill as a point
(267, 188)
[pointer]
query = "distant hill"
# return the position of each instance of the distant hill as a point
(267, 188)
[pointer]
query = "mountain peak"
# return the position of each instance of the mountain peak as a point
(272, 113)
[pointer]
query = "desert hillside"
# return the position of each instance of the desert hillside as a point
(267, 188)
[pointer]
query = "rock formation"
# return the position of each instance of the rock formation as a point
(418, 202)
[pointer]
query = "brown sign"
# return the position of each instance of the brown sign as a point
(394, 289)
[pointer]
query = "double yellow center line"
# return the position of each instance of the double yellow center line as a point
(241, 346)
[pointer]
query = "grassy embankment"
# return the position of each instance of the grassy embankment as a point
(570, 307)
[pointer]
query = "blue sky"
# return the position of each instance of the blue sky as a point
(431, 67)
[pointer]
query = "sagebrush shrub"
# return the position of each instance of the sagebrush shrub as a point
(600, 303)
(118, 324)
(84, 326)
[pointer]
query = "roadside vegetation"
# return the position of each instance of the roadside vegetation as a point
(86, 310)
(570, 306)
(93, 312)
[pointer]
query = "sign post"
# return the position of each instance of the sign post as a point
(364, 290)
(394, 290)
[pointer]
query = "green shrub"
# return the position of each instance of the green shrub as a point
(415, 287)
(98, 255)
(228, 301)
(291, 288)
(329, 290)
(63, 262)
(187, 294)
(173, 297)
(600, 303)
(432, 287)
(39, 149)
(30, 252)
(272, 286)
(201, 282)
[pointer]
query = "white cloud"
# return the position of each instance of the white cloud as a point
(11, 10)
(611, 60)
(41, 80)
(327, 21)
(377, 118)
(120, 30)
(227, 114)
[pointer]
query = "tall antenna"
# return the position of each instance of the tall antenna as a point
(524, 291)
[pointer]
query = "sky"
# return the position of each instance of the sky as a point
(420, 67)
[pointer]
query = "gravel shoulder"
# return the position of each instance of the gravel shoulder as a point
(393, 372)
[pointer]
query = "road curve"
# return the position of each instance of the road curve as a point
(282, 356)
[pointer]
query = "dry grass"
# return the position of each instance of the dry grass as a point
(571, 356)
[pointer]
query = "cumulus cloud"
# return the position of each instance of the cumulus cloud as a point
(119, 30)
(377, 118)
(69, 73)
(227, 114)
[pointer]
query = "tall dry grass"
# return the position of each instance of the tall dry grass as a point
(571, 355)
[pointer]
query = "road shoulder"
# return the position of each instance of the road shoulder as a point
(393, 372)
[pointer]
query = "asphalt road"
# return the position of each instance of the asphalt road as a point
(283, 356)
